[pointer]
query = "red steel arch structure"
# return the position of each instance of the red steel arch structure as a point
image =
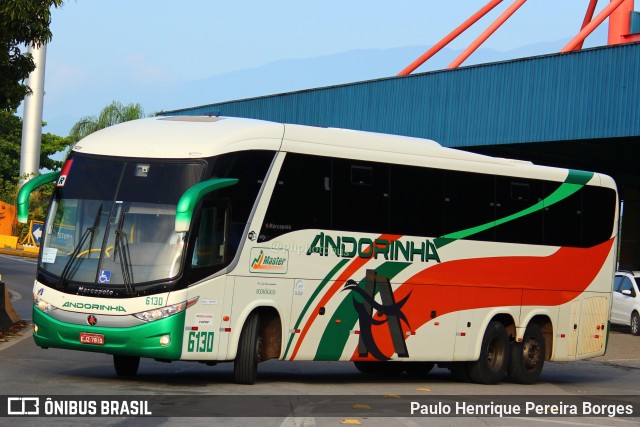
(619, 12)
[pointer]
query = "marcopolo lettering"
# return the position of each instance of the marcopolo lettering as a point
(392, 250)
(87, 306)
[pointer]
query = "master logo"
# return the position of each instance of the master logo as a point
(269, 261)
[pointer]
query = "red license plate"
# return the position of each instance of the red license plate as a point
(94, 339)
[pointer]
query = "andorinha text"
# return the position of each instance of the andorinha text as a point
(394, 250)
(89, 306)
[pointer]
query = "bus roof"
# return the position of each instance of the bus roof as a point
(200, 136)
(184, 137)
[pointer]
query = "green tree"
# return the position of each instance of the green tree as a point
(22, 22)
(10, 143)
(110, 115)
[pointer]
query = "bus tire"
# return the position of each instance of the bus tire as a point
(635, 323)
(527, 357)
(245, 365)
(126, 366)
(494, 356)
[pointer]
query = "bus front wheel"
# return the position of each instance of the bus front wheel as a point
(126, 366)
(245, 366)
(494, 356)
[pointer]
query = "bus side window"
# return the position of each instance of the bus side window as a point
(301, 198)
(417, 201)
(360, 196)
(210, 244)
(563, 220)
(469, 201)
(513, 197)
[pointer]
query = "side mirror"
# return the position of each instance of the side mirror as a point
(28, 188)
(190, 198)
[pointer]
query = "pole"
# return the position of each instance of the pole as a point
(32, 116)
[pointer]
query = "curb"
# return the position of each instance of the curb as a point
(18, 252)
(8, 315)
(22, 335)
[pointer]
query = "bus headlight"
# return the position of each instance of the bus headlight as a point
(42, 305)
(164, 312)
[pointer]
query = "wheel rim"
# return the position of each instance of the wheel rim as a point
(634, 324)
(531, 353)
(495, 354)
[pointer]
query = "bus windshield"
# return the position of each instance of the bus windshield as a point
(112, 222)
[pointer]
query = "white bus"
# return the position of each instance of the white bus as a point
(217, 239)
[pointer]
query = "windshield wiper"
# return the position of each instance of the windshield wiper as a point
(90, 231)
(122, 248)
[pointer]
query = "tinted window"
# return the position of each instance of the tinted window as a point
(322, 193)
(301, 198)
(91, 179)
(250, 168)
(513, 197)
(599, 206)
(417, 201)
(469, 201)
(360, 196)
(563, 220)
(158, 182)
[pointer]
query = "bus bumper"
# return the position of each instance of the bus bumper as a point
(142, 340)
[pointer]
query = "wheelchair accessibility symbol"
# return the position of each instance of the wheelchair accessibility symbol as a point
(105, 276)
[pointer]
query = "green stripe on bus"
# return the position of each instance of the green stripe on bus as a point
(310, 300)
(343, 320)
(574, 182)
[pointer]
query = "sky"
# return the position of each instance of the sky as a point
(134, 50)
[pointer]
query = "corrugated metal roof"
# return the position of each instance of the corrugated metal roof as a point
(590, 94)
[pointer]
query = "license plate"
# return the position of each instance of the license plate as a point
(94, 339)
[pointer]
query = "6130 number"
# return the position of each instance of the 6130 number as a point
(200, 342)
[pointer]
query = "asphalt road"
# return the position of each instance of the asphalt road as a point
(27, 370)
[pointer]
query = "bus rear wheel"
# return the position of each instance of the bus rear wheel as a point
(527, 357)
(126, 366)
(245, 366)
(491, 367)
